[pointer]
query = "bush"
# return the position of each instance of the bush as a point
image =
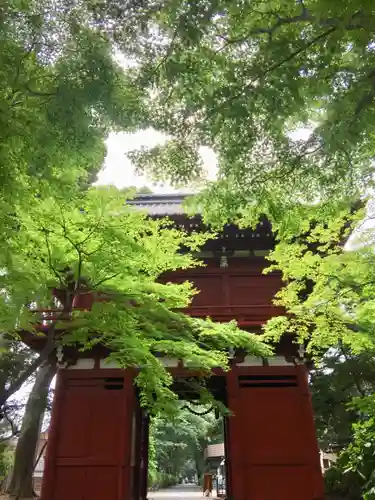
(157, 480)
(342, 484)
(6, 461)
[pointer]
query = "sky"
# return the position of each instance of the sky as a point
(119, 171)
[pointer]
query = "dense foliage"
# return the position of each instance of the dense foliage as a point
(61, 93)
(329, 296)
(177, 445)
(353, 475)
(340, 377)
(242, 76)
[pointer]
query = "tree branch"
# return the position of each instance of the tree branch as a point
(354, 375)
(94, 228)
(277, 65)
(169, 52)
(17, 384)
(39, 94)
(44, 355)
(77, 248)
(269, 31)
(105, 279)
(40, 455)
(45, 231)
(294, 54)
(13, 428)
(305, 17)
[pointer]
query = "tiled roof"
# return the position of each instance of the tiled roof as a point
(160, 204)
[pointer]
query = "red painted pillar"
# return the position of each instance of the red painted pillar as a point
(315, 468)
(272, 446)
(144, 458)
(52, 437)
(233, 439)
(125, 434)
(137, 469)
(89, 447)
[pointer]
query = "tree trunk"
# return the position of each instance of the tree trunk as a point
(199, 467)
(21, 481)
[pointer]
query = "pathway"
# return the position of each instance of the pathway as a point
(180, 492)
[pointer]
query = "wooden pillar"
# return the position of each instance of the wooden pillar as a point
(89, 442)
(228, 483)
(137, 478)
(272, 446)
(233, 439)
(52, 437)
(314, 453)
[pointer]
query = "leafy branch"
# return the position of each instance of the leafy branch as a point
(13, 427)
(305, 16)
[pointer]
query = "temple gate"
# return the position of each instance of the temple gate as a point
(98, 438)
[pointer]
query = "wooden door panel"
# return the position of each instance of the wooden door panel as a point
(253, 289)
(280, 483)
(92, 459)
(273, 425)
(272, 449)
(69, 483)
(92, 419)
(72, 437)
(87, 483)
(210, 288)
(103, 483)
(104, 444)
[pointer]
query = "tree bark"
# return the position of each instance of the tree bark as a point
(66, 296)
(21, 481)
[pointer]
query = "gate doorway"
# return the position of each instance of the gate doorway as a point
(189, 448)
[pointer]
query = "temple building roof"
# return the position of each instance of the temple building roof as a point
(230, 237)
(160, 204)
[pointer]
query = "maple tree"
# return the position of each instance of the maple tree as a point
(118, 253)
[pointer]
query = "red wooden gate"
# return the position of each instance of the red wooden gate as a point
(94, 447)
(273, 452)
(90, 442)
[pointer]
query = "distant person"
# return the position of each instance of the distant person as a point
(207, 485)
